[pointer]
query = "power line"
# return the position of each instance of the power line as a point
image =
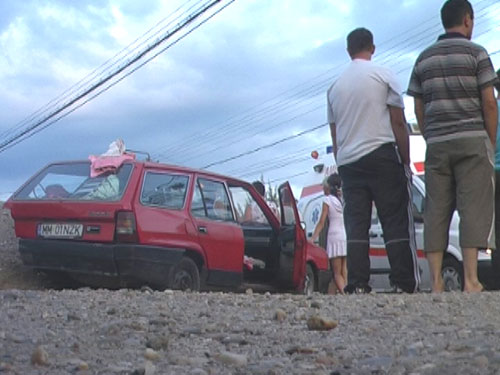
(246, 138)
(269, 145)
(222, 133)
(31, 129)
(421, 39)
(84, 82)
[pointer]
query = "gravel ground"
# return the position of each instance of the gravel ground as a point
(85, 331)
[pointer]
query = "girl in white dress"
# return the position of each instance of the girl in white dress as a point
(336, 245)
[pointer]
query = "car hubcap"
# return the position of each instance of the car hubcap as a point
(183, 280)
(451, 279)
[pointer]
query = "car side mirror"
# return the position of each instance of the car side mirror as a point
(303, 225)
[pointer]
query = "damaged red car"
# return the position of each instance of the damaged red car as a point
(148, 223)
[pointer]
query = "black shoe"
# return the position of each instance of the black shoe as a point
(398, 289)
(357, 289)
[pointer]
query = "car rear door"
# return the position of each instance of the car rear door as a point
(292, 259)
(219, 234)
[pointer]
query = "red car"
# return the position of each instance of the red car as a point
(167, 226)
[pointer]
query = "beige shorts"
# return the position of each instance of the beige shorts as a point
(459, 174)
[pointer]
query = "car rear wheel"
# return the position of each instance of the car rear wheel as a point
(309, 282)
(185, 275)
(453, 274)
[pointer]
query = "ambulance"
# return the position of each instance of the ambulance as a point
(310, 205)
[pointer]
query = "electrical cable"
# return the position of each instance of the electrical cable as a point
(23, 135)
(205, 138)
(31, 131)
(235, 130)
(94, 74)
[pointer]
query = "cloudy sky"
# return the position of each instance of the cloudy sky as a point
(243, 94)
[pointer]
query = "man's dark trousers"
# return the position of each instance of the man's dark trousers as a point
(379, 177)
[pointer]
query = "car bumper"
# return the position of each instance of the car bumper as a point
(127, 261)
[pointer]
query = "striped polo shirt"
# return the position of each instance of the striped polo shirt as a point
(449, 77)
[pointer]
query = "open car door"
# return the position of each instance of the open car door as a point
(292, 239)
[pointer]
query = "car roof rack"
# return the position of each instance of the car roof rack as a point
(148, 156)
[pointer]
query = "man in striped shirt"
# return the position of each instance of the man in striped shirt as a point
(452, 85)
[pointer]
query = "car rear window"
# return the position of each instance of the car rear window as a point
(72, 182)
(164, 190)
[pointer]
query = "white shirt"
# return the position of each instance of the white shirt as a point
(357, 104)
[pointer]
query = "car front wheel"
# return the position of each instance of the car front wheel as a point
(185, 275)
(452, 274)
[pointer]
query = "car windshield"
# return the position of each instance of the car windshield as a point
(72, 181)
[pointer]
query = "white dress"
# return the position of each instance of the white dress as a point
(336, 244)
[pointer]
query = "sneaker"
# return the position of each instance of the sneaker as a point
(359, 289)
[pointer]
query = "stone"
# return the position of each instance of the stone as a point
(234, 359)
(40, 357)
(481, 361)
(299, 350)
(151, 354)
(78, 364)
(317, 323)
(111, 311)
(326, 360)
(280, 315)
(158, 342)
(315, 305)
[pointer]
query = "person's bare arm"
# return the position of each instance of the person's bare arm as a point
(321, 222)
(419, 113)
(333, 133)
(490, 113)
(400, 130)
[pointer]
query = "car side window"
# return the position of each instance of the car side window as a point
(213, 197)
(164, 190)
(197, 205)
(288, 214)
(247, 209)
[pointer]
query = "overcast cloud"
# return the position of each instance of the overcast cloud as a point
(255, 73)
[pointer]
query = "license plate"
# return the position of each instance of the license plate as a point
(60, 230)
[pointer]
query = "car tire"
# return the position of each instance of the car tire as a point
(185, 275)
(310, 281)
(453, 274)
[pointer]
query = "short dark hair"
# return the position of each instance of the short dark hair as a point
(454, 11)
(497, 84)
(259, 186)
(359, 40)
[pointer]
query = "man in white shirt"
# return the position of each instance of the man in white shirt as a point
(371, 148)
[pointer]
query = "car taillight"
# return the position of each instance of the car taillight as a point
(126, 228)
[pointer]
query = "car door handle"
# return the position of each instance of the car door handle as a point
(202, 230)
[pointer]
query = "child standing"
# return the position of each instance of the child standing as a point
(336, 245)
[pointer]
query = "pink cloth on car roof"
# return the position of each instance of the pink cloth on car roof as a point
(103, 164)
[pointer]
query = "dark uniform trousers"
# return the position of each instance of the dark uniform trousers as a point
(379, 177)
